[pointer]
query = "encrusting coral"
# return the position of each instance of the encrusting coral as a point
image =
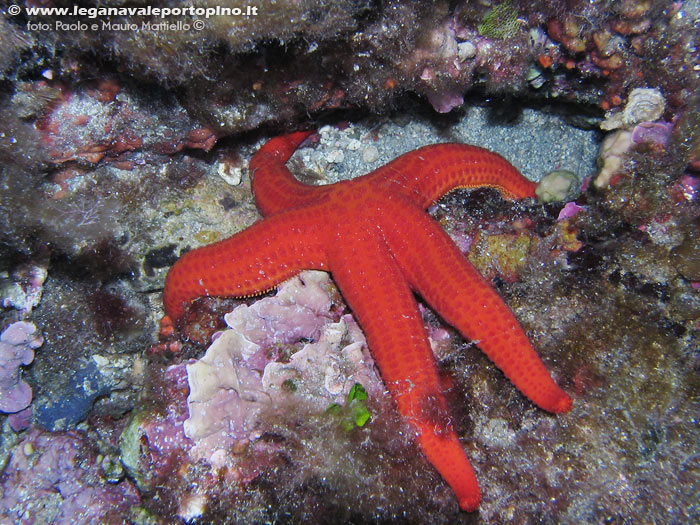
(239, 376)
(249, 386)
(17, 344)
(63, 477)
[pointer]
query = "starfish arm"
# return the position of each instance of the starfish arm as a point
(274, 186)
(428, 173)
(439, 272)
(385, 308)
(248, 263)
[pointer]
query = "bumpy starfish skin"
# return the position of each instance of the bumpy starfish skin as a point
(380, 246)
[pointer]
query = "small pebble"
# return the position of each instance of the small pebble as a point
(556, 186)
(335, 156)
(230, 174)
(370, 154)
(466, 50)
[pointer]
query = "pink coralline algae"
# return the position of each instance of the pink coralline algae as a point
(240, 377)
(286, 356)
(689, 187)
(652, 133)
(17, 344)
(107, 125)
(24, 287)
(445, 102)
(297, 311)
(570, 209)
(61, 477)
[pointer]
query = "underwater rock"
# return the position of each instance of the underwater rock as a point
(109, 125)
(298, 61)
(686, 256)
(71, 404)
(152, 439)
(466, 51)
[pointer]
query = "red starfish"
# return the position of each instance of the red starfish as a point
(372, 234)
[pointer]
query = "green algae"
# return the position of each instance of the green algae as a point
(501, 21)
(355, 412)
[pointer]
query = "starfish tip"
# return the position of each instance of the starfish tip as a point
(470, 503)
(565, 404)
